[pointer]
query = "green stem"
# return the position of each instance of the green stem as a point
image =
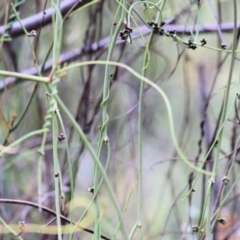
(57, 175)
(15, 143)
(96, 161)
(226, 96)
(165, 98)
(104, 105)
(24, 76)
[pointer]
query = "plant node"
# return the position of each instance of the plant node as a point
(172, 32)
(211, 180)
(41, 152)
(106, 140)
(126, 32)
(225, 180)
(203, 42)
(91, 190)
(61, 137)
(191, 44)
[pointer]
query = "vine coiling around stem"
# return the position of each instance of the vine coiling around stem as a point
(52, 104)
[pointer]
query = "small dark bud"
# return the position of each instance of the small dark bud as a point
(161, 31)
(224, 46)
(129, 29)
(193, 46)
(225, 180)
(195, 229)
(172, 32)
(223, 221)
(203, 42)
(162, 23)
(124, 34)
(190, 40)
(149, 23)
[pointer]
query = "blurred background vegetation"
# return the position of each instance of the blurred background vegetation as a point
(195, 82)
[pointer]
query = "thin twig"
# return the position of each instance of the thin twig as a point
(37, 21)
(48, 210)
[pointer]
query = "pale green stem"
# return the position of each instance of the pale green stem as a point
(56, 175)
(96, 161)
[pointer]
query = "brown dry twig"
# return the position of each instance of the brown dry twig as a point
(47, 210)
(37, 21)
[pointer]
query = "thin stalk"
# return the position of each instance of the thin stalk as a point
(57, 43)
(34, 228)
(96, 190)
(96, 160)
(57, 24)
(5, 23)
(40, 161)
(104, 105)
(223, 200)
(56, 174)
(125, 209)
(210, 150)
(25, 110)
(146, 61)
(163, 95)
(205, 208)
(226, 96)
(225, 105)
(12, 231)
(28, 38)
(24, 76)
(216, 207)
(133, 5)
(69, 166)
